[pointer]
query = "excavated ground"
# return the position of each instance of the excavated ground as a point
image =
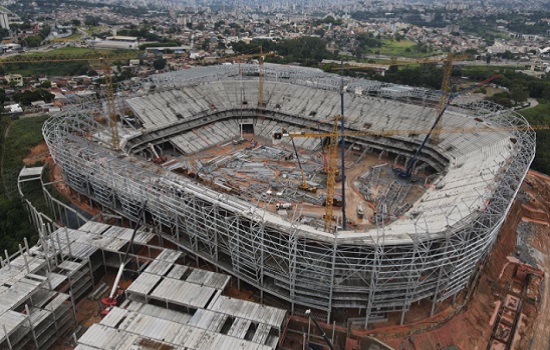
(468, 324)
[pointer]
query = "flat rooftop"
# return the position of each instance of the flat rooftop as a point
(169, 304)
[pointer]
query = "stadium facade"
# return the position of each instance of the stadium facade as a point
(429, 253)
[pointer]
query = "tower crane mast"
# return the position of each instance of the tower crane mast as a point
(103, 58)
(335, 134)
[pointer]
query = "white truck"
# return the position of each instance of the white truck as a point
(360, 212)
(283, 206)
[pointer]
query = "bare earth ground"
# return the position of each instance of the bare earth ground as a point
(471, 327)
(538, 186)
(38, 153)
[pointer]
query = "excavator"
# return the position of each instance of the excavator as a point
(116, 294)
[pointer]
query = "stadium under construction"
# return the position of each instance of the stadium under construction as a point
(196, 147)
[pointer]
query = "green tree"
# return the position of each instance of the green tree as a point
(33, 41)
(159, 63)
(46, 84)
(546, 93)
(26, 97)
(92, 21)
(519, 93)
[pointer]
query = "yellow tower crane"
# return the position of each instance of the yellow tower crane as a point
(103, 58)
(333, 136)
(261, 57)
(445, 89)
(447, 62)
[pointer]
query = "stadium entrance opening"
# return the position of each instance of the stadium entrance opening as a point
(247, 128)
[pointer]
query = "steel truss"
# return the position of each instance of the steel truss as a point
(287, 260)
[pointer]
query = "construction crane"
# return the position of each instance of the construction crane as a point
(303, 185)
(445, 89)
(115, 139)
(261, 80)
(157, 159)
(261, 56)
(323, 334)
(445, 84)
(104, 58)
(335, 134)
(113, 299)
(331, 176)
(436, 127)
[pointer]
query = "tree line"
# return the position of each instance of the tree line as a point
(308, 51)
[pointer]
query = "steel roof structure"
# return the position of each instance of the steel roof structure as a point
(428, 253)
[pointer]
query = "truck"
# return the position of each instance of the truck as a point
(360, 212)
(283, 205)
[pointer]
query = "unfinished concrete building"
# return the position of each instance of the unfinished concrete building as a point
(169, 305)
(430, 248)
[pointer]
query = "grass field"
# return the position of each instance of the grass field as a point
(73, 37)
(66, 50)
(66, 66)
(22, 136)
(540, 115)
(399, 48)
(94, 30)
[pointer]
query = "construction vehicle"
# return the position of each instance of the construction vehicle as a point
(285, 205)
(157, 159)
(360, 212)
(436, 127)
(103, 58)
(323, 334)
(303, 184)
(117, 293)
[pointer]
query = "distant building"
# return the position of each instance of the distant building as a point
(17, 79)
(165, 49)
(4, 21)
(452, 28)
(13, 108)
(118, 42)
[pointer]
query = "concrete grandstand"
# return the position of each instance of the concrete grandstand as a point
(430, 252)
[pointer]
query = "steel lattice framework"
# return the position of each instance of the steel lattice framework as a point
(377, 271)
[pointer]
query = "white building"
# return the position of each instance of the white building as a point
(17, 79)
(118, 42)
(4, 21)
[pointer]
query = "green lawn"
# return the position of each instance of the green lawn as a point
(540, 115)
(22, 136)
(399, 49)
(94, 30)
(67, 66)
(72, 37)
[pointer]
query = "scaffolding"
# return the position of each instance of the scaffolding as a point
(428, 254)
